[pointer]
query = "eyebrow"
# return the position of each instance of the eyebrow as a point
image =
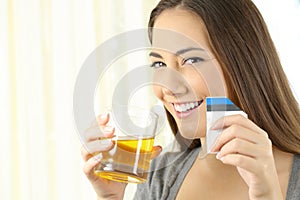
(179, 52)
(156, 55)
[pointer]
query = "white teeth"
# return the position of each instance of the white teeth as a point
(186, 106)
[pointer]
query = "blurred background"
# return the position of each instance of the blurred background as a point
(43, 45)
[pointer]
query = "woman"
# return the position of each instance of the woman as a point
(258, 156)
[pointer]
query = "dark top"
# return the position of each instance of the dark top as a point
(169, 170)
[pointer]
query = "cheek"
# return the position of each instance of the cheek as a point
(198, 85)
(212, 77)
(157, 91)
(195, 127)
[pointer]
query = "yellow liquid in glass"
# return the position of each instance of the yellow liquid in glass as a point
(128, 161)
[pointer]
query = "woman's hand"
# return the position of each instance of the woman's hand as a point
(244, 145)
(92, 153)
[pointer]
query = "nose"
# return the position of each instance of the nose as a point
(172, 83)
(175, 91)
(167, 91)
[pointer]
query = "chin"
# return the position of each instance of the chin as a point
(191, 133)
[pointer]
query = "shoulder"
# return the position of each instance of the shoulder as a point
(172, 162)
(166, 173)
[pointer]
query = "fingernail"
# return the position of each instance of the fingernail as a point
(105, 143)
(103, 116)
(218, 156)
(213, 148)
(158, 148)
(108, 129)
(215, 126)
(98, 157)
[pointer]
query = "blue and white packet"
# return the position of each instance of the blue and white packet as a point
(216, 108)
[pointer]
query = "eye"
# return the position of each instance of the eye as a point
(158, 64)
(192, 60)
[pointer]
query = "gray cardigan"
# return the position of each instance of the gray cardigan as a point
(169, 170)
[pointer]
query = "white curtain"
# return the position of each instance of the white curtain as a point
(42, 47)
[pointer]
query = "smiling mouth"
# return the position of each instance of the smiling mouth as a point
(186, 107)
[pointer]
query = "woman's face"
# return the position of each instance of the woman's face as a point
(186, 71)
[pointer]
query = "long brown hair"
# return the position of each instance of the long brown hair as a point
(253, 73)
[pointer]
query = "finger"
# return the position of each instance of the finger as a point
(99, 146)
(237, 119)
(240, 146)
(89, 166)
(156, 151)
(96, 132)
(242, 161)
(85, 154)
(103, 119)
(237, 131)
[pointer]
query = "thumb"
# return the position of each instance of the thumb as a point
(156, 151)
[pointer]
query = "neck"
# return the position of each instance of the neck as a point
(210, 161)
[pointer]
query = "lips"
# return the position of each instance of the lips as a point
(184, 107)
